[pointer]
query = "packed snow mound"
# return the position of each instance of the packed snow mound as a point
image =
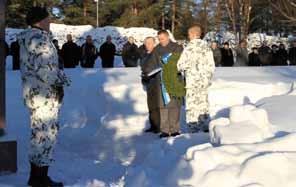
(250, 124)
(119, 34)
(242, 165)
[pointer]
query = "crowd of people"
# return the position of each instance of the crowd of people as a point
(276, 55)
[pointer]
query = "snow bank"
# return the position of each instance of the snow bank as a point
(119, 34)
(250, 125)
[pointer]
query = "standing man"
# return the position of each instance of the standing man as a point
(152, 85)
(227, 55)
(43, 84)
(170, 113)
(15, 53)
(217, 53)
(282, 55)
(107, 53)
(242, 54)
(70, 53)
(198, 65)
(265, 54)
(292, 54)
(254, 59)
(89, 53)
(130, 53)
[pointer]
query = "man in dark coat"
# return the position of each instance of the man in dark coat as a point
(70, 53)
(15, 52)
(61, 61)
(227, 55)
(217, 53)
(89, 53)
(130, 53)
(107, 53)
(169, 114)
(254, 59)
(274, 54)
(265, 54)
(282, 56)
(151, 84)
(292, 54)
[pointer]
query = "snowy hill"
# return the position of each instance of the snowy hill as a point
(101, 143)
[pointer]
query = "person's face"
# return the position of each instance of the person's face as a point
(274, 48)
(56, 43)
(243, 45)
(131, 40)
(255, 51)
(109, 39)
(69, 38)
(45, 24)
(164, 39)
(89, 40)
(282, 47)
(149, 45)
(214, 45)
(226, 46)
(191, 35)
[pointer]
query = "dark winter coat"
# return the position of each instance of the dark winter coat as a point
(155, 81)
(280, 58)
(265, 55)
(70, 54)
(107, 53)
(142, 52)
(227, 57)
(6, 53)
(88, 55)
(130, 55)
(15, 52)
(254, 59)
(292, 55)
(217, 56)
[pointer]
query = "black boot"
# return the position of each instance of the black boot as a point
(35, 179)
(164, 135)
(48, 181)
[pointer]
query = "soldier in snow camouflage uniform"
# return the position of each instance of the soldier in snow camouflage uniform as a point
(198, 65)
(43, 84)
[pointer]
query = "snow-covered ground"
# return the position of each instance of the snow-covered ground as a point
(101, 142)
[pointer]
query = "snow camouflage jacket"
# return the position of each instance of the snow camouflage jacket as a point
(197, 62)
(40, 71)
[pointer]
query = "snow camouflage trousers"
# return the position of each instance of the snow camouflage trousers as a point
(44, 130)
(197, 104)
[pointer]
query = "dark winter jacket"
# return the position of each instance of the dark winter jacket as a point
(227, 57)
(130, 55)
(217, 56)
(6, 53)
(142, 52)
(88, 55)
(107, 53)
(15, 52)
(70, 54)
(282, 57)
(254, 59)
(292, 55)
(154, 82)
(265, 55)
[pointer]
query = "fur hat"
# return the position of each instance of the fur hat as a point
(36, 14)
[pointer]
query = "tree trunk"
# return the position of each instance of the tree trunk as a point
(218, 16)
(174, 10)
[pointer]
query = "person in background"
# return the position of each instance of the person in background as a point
(242, 54)
(198, 65)
(130, 53)
(282, 56)
(217, 53)
(292, 54)
(70, 53)
(107, 53)
(227, 56)
(254, 59)
(56, 44)
(89, 53)
(43, 91)
(6, 52)
(142, 51)
(151, 84)
(265, 54)
(170, 112)
(15, 53)
(274, 54)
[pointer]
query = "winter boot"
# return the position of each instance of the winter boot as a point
(49, 182)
